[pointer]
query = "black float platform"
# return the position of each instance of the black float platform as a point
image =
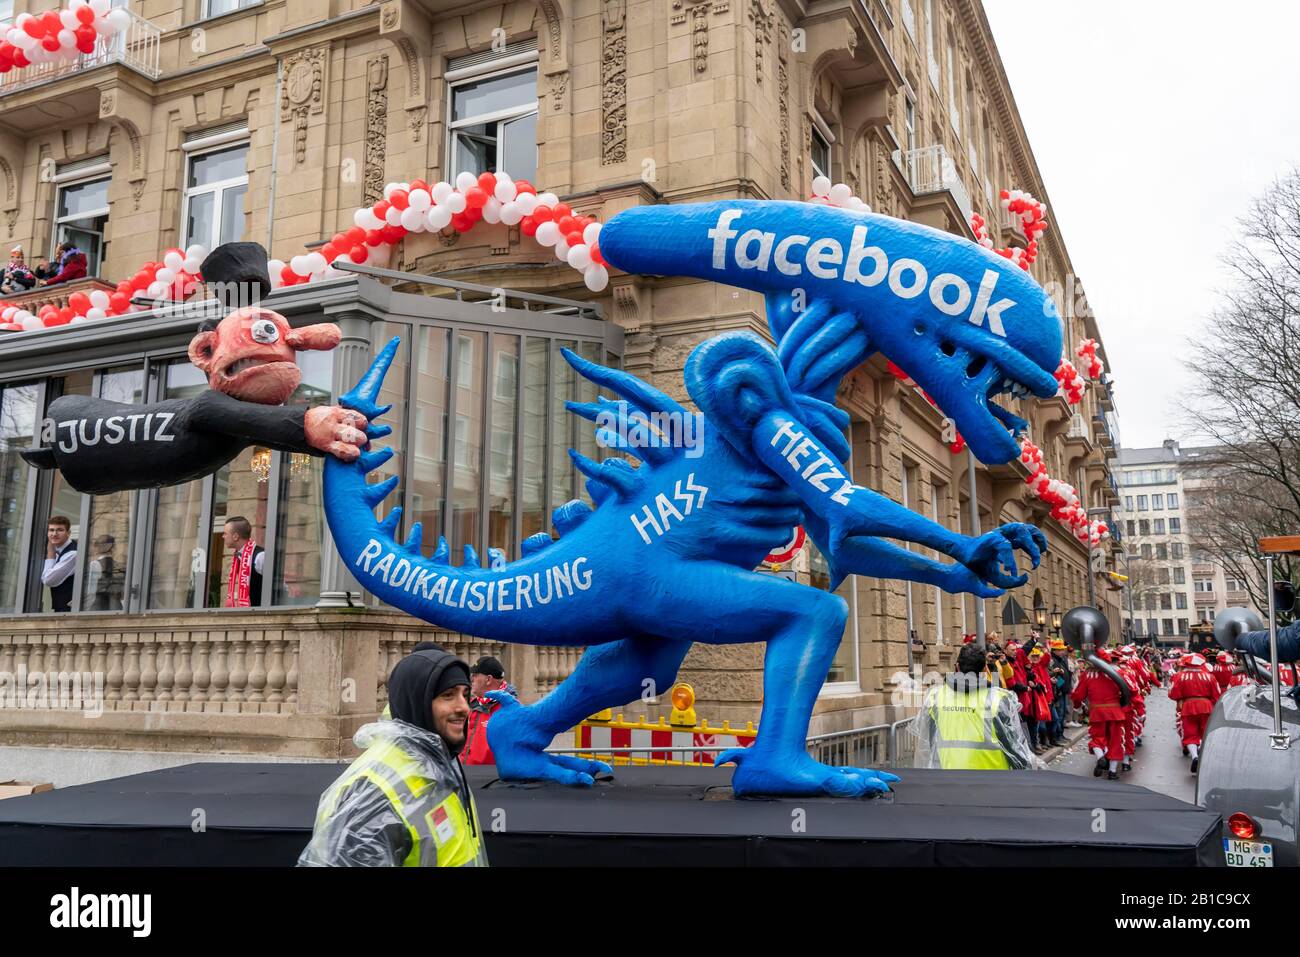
(261, 814)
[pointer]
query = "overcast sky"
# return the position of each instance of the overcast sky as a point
(1193, 105)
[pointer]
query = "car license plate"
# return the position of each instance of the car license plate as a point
(1247, 853)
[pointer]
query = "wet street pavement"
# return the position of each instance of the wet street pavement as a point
(1159, 764)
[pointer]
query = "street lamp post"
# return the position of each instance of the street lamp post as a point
(1056, 620)
(1040, 613)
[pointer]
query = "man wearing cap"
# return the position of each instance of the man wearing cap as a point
(967, 724)
(405, 801)
(486, 675)
(1106, 717)
(1059, 669)
(249, 358)
(1195, 690)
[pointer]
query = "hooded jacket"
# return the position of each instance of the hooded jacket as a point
(407, 779)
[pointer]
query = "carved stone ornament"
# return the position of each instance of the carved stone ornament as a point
(415, 118)
(559, 83)
(764, 20)
(613, 83)
(107, 102)
(303, 94)
(376, 129)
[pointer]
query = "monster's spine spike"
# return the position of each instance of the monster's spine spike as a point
(371, 460)
(496, 557)
(363, 396)
(414, 539)
(374, 494)
(471, 558)
(623, 481)
(535, 543)
(569, 516)
(389, 525)
(599, 491)
(648, 398)
(442, 553)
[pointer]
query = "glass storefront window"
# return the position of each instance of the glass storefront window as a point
(501, 445)
(563, 428)
(108, 536)
(467, 474)
(586, 391)
(429, 457)
(536, 371)
(17, 431)
(300, 531)
(179, 541)
(240, 489)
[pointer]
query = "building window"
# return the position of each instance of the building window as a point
(1168, 625)
(1131, 528)
(1159, 526)
(1142, 503)
(1180, 600)
(1162, 576)
(1166, 601)
(18, 415)
(1176, 550)
(1203, 585)
(1235, 584)
(821, 154)
(1182, 626)
(494, 116)
(1175, 526)
(1173, 499)
(81, 215)
(909, 123)
(215, 8)
(1146, 553)
(216, 182)
(1157, 502)
(1144, 526)
(1162, 552)
(1180, 576)
(1128, 503)
(1153, 627)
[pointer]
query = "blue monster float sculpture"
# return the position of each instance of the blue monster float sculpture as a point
(666, 557)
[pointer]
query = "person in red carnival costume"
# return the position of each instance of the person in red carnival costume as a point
(1136, 707)
(1224, 671)
(1106, 717)
(1195, 689)
(1030, 681)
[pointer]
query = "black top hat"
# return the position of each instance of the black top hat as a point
(236, 274)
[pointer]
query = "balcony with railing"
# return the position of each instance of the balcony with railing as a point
(138, 47)
(930, 170)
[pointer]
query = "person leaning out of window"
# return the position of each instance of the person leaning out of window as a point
(69, 264)
(60, 562)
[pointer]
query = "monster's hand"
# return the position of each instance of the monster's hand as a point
(336, 430)
(992, 556)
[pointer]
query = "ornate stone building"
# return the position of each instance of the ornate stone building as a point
(273, 121)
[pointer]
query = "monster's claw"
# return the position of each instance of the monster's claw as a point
(758, 772)
(730, 756)
(1021, 536)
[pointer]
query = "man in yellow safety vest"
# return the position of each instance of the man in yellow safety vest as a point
(405, 801)
(967, 724)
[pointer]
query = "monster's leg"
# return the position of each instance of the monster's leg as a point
(606, 676)
(802, 627)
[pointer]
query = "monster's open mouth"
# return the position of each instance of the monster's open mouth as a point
(242, 364)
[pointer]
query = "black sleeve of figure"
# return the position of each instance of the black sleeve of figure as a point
(274, 426)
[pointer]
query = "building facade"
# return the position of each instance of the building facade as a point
(1173, 582)
(273, 121)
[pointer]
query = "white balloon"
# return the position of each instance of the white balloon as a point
(548, 199)
(316, 262)
(156, 289)
(596, 277)
(8, 313)
(456, 203)
(548, 234)
(389, 188)
(441, 190)
(100, 6)
(362, 218)
(299, 265)
(412, 220)
(165, 276)
(505, 190)
(394, 216)
(527, 202)
(591, 234)
(821, 186)
(466, 181)
(192, 265)
(419, 200)
(96, 314)
(76, 320)
(511, 214)
(69, 19)
(840, 194)
(99, 299)
(580, 256)
(173, 261)
(562, 250)
(196, 251)
(67, 39)
(275, 267)
(492, 211)
(32, 323)
(438, 217)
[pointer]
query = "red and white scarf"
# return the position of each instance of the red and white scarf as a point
(241, 574)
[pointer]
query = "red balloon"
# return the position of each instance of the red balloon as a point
(330, 252)
(566, 224)
(86, 46)
(475, 197)
(50, 43)
(573, 239)
(125, 288)
(381, 208)
(80, 302)
(460, 222)
(119, 302)
(288, 275)
(487, 182)
(392, 234)
(355, 236)
(35, 28)
(373, 237)
(53, 23)
(523, 186)
(85, 32)
(358, 254)
(542, 214)
(562, 210)
(340, 240)
(86, 15)
(65, 315)
(399, 199)
(596, 256)
(528, 227)
(20, 58)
